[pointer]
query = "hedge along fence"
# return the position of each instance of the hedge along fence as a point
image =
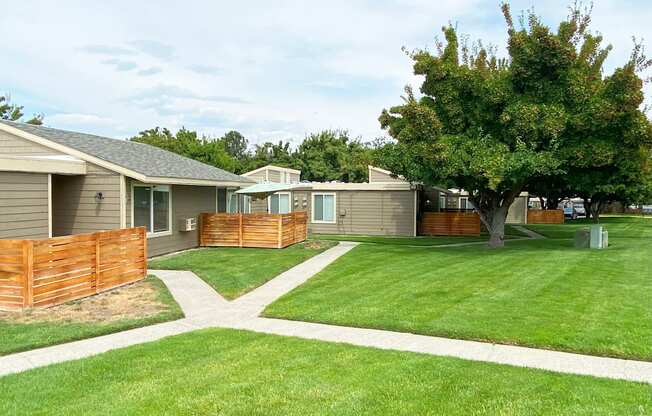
(449, 223)
(545, 216)
(253, 230)
(41, 273)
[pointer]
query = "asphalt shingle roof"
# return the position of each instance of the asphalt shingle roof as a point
(139, 157)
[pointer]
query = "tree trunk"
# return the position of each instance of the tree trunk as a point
(543, 203)
(595, 207)
(495, 220)
(587, 207)
(493, 208)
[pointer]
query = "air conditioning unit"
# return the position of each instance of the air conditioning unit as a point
(188, 224)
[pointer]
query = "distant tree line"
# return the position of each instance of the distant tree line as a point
(329, 155)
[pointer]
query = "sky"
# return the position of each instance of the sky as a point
(273, 70)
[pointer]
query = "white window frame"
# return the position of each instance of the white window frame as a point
(152, 234)
(230, 193)
(246, 202)
(459, 202)
(312, 208)
(269, 201)
(442, 202)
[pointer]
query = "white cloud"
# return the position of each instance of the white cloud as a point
(150, 71)
(120, 65)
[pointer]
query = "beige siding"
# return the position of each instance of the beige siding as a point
(295, 178)
(274, 176)
(517, 213)
(187, 202)
(370, 213)
(259, 205)
(17, 146)
(23, 205)
(375, 176)
(75, 208)
(258, 176)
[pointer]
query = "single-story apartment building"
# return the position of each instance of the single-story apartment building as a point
(56, 182)
(382, 206)
(385, 205)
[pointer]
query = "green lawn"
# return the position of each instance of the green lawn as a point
(235, 271)
(619, 227)
(510, 232)
(89, 317)
(541, 293)
(232, 372)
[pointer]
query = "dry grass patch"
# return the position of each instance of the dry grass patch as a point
(138, 304)
(133, 301)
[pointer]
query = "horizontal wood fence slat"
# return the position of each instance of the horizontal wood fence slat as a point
(41, 273)
(449, 223)
(253, 230)
(545, 216)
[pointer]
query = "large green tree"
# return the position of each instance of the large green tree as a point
(496, 126)
(331, 155)
(269, 153)
(187, 143)
(13, 112)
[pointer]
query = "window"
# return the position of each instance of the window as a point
(151, 208)
(246, 204)
(279, 203)
(323, 208)
(464, 202)
(231, 201)
(442, 202)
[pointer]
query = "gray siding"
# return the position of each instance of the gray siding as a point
(375, 176)
(369, 213)
(75, 208)
(17, 146)
(187, 202)
(23, 205)
(359, 212)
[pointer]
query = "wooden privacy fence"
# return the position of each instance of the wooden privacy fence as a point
(40, 273)
(253, 230)
(449, 223)
(545, 216)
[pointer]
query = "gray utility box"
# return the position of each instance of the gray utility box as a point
(582, 238)
(595, 237)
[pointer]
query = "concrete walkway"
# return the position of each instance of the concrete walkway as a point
(531, 234)
(205, 308)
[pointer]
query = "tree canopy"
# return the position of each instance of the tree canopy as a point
(13, 112)
(496, 127)
(324, 156)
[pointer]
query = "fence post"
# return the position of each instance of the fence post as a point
(202, 218)
(240, 229)
(280, 230)
(143, 236)
(97, 263)
(28, 273)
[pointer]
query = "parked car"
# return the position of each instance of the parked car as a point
(646, 209)
(574, 211)
(580, 212)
